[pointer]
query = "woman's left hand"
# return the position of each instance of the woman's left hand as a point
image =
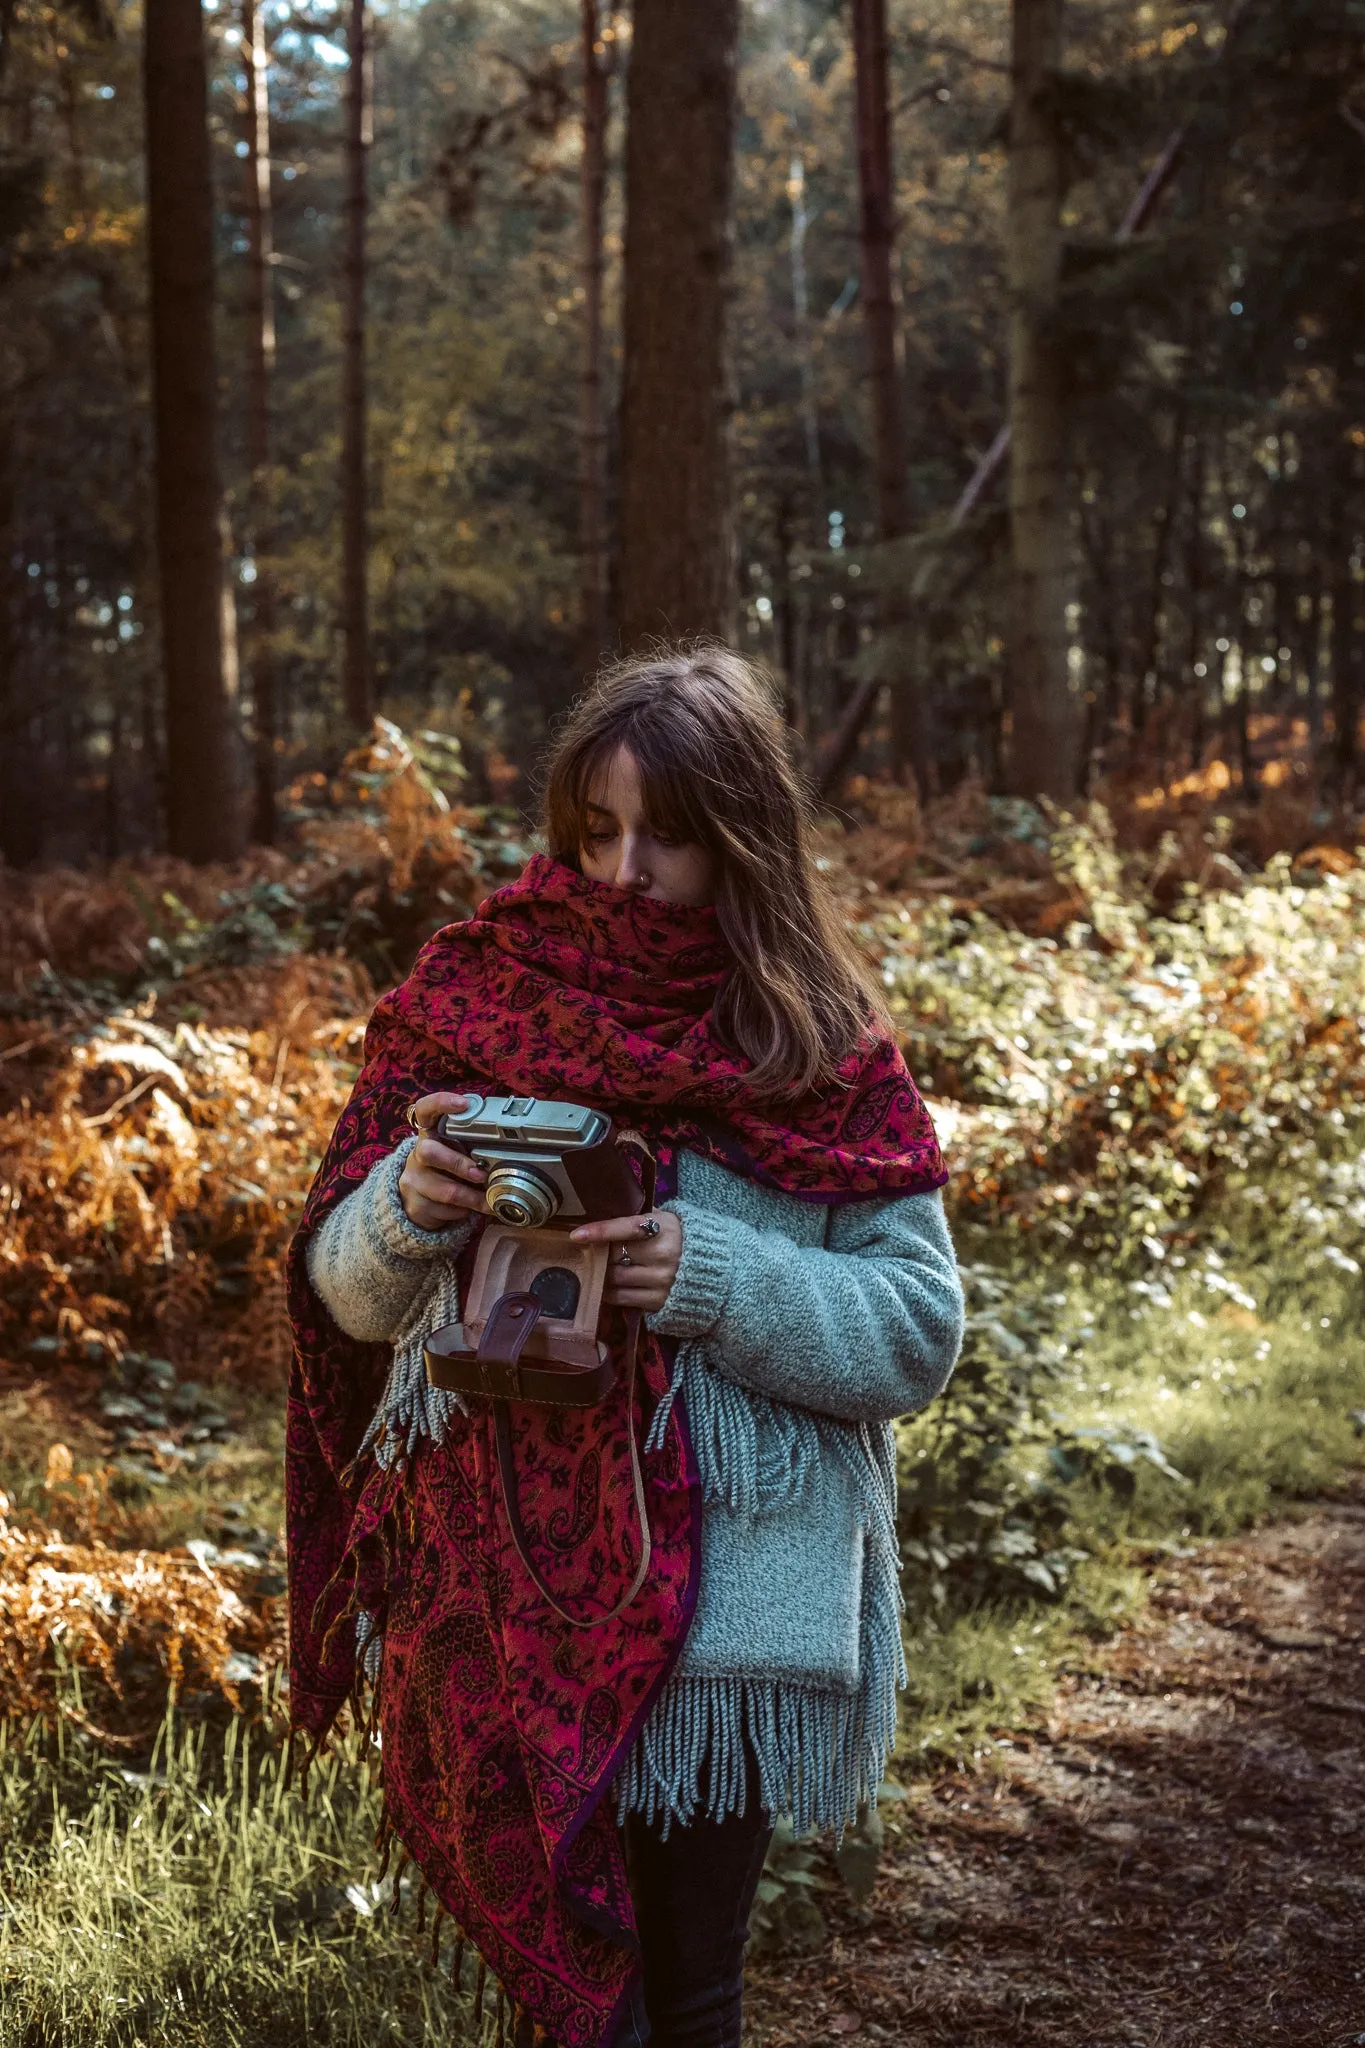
(650, 1266)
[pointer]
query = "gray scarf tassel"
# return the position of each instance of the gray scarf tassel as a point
(369, 1644)
(411, 1408)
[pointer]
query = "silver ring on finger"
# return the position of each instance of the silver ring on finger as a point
(625, 1258)
(649, 1226)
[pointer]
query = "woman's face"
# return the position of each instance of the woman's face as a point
(619, 848)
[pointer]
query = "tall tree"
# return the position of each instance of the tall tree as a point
(677, 564)
(355, 628)
(876, 246)
(260, 343)
(876, 242)
(202, 820)
(794, 598)
(598, 40)
(1042, 748)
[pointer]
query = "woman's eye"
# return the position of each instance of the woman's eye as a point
(598, 835)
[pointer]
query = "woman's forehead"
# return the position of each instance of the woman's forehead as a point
(619, 784)
(614, 782)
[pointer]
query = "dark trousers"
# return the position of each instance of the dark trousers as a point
(693, 1892)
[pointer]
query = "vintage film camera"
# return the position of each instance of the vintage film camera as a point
(529, 1329)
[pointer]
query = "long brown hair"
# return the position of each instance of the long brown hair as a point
(716, 768)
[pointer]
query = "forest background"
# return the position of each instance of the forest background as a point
(995, 376)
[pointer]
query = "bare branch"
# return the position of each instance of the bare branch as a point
(934, 46)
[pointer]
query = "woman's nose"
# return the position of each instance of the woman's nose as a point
(631, 871)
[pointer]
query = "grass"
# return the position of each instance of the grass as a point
(1255, 1407)
(196, 1900)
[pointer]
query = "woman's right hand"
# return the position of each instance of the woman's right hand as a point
(438, 1185)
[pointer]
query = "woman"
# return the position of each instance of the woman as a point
(591, 1804)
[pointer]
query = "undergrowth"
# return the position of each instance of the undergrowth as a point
(196, 1899)
(1090, 1428)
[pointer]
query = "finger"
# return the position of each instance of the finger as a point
(438, 1158)
(441, 1191)
(640, 1276)
(635, 1297)
(610, 1230)
(444, 1103)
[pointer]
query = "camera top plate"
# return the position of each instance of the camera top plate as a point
(523, 1120)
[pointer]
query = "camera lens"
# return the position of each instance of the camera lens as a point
(518, 1194)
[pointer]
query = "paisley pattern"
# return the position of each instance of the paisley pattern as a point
(502, 1729)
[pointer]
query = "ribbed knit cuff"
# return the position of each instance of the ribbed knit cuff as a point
(696, 1300)
(387, 1223)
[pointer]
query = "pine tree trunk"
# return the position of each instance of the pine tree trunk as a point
(20, 832)
(201, 800)
(876, 241)
(1042, 746)
(355, 633)
(810, 408)
(1347, 622)
(597, 69)
(260, 342)
(677, 565)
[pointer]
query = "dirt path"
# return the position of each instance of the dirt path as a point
(1178, 1857)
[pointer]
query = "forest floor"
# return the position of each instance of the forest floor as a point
(1174, 1855)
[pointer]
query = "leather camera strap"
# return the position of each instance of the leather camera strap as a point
(507, 1470)
(635, 1141)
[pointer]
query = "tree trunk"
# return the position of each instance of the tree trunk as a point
(810, 408)
(201, 807)
(356, 674)
(1346, 635)
(1194, 601)
(598, 47)
(677, 531)
(260, 343)
(20, 832)
(1042, 714)
(876, 242)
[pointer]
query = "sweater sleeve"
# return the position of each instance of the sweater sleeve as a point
(864, 1329)
(369, 1260)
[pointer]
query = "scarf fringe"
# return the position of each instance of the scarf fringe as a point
(411, 1408)
(820, 1754)
(509, 2016)
(757, 1456)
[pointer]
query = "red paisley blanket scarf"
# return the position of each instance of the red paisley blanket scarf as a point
(501, 1728)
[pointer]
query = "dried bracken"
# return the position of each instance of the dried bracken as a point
(140, 1625)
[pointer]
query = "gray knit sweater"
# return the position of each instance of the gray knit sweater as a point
(802, 1330)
